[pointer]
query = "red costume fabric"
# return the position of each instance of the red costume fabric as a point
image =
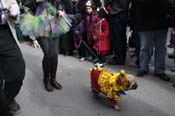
(102, 33)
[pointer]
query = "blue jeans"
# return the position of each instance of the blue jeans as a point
(148, 39)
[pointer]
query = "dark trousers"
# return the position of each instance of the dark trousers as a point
(66, 43)
(83, 50)
(49, 47)
(4, 105)
(12, 69)
(137, 47)
(118, 24)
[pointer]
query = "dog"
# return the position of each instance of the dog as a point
(112, 85)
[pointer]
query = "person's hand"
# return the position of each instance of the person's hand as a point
(35, 44)
(14, 10)
(60, 13)
(95, 38)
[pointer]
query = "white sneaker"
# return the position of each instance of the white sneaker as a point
(82, 59)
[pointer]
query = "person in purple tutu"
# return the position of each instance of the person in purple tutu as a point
(49, 47)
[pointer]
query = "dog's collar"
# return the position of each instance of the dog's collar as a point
(121, 92)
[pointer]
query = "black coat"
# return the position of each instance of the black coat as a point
(66, 5)
(150, 14)
(118, 6)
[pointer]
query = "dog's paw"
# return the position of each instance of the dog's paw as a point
(95, 94)
(116, 107)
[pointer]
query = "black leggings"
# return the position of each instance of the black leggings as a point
(49, 47)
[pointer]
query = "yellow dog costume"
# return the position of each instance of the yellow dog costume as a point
(110, 84)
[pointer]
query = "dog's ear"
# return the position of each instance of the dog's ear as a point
(130, 77)
(128, 84)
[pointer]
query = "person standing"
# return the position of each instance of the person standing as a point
(152, 27)
(49, 47)
(66, 45)
(86, 29)
(101, 38)
(118, 23)
(12, 66)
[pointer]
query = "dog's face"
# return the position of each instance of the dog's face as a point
(132, 84)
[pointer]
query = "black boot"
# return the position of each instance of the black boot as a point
(48, 85)
(55, 84)
(46, 80)
(14, 107)
(53, 81)
(4, 110)
(174, 85)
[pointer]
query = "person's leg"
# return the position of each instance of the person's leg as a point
(4, 111)
(137, 62)
(46, 62)
(13, 68)
(11, 90)
(172, 55)
(54, 64)
(80, 52)
(146, 39)
(102, 58)
(118, 38)
(160, 53)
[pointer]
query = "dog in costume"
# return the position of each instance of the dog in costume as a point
(112, 85)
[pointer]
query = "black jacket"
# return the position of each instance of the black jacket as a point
(66, 5)
(150, 14)
(118, 6)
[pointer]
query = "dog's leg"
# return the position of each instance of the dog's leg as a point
(113, 103)
(95, 93)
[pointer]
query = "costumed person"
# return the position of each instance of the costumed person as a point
(101, 38)
(47, 26)
(86, 29)
(96, 4)
(12, 65)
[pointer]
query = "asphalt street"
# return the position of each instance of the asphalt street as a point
(153, 97)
